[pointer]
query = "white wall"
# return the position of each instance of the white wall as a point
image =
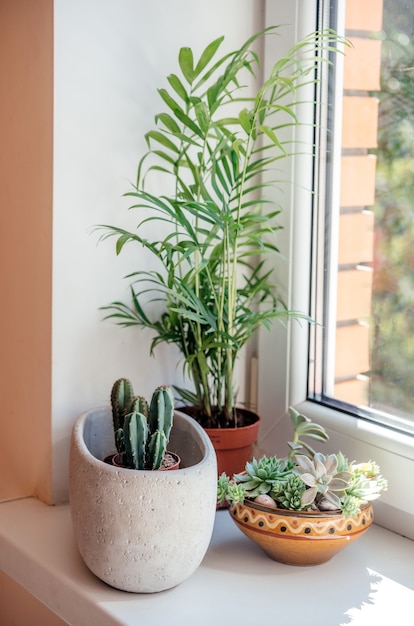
(110, 57)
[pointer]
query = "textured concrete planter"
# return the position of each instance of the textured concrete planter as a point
(139, 530)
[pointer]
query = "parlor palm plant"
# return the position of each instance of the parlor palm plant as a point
(218, 147)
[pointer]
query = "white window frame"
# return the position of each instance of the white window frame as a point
(285, 353)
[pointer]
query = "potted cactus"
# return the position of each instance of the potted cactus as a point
(142, 431)
(137, 527)
(303, 508)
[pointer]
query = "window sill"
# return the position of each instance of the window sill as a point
(367, 583)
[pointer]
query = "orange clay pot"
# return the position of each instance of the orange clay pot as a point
(234, 446)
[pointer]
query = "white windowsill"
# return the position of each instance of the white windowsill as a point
(371, 582)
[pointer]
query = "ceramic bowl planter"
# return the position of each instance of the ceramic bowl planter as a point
(299, 538)
(141, 530)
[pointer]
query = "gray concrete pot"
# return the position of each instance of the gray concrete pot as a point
(138, 530)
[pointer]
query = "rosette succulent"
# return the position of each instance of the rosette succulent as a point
(261, 476)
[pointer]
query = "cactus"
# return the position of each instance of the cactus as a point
(161, 410)
(121, 396)
(141, 431)
(135, 440)
(138, 404)
(156, 449)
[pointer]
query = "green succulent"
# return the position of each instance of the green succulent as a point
(222, 488)
(350, 506)
(229, 491)
(304, 427)
(236, 493)
(261, 476)
(288, 494)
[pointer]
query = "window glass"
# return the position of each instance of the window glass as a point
(362, 349)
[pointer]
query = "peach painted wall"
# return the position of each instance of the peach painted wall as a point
(20, 608)
(26, 123)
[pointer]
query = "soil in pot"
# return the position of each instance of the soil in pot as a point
(171, 461)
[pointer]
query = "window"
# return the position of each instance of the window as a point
(362, 354)
(355, 427)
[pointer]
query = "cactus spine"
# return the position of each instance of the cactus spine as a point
(141, 431)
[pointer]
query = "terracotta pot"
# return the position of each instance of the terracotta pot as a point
(299, 538)
(141, 530)
(234, 446)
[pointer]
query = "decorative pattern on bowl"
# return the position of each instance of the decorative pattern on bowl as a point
(299, 538)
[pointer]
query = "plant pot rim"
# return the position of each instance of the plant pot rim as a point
(114, 460)
(293, 513)
(254, 419)
(82, 420)
(251, 426)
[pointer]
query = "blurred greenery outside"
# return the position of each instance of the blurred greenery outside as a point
(392, 324)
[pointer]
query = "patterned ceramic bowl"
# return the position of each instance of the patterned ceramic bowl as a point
(299, 538)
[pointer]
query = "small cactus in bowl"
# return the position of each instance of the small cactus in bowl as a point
(141, 430)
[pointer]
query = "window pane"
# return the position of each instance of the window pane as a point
(364, 356)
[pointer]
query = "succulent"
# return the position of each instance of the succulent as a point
(142, 434)
(308, 481)
(304, 427)
(228, 490)
(288, 494)
(325, 484)
(222, 488)
(366, 482)
(261, 475)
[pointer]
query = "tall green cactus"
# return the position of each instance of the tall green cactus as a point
(136, 435)
(157, 447)
(141, 431)
(121, 396)
(161, 410)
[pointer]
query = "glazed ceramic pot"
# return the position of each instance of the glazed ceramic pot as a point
(299, 538)
(141, 530)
